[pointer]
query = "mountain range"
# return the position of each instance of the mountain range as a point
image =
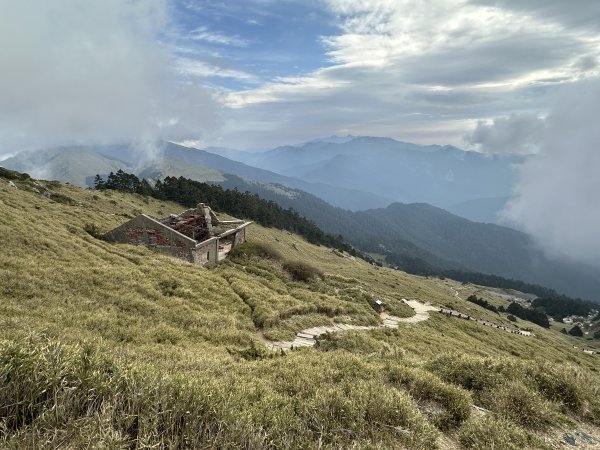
(444, 176)
(409, 235)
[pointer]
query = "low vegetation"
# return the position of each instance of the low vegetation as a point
(533, 315)
(560, 307)
(117, 346)
(482, 302)
(302, 271)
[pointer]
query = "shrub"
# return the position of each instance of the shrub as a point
(301, 271)
(474, 374)
(532, 315)
(516, 402)
(482, 302)
(12, 175)
(255, 249)
(168, 288)
(92, 230)
(576, 331)
(61, 198)
(429, 389)
(558, 384)
(50, 393)
(490, 432)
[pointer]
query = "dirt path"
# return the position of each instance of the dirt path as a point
(456, 293)
(306, 338)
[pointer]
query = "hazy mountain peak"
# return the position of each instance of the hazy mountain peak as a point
(328, 140)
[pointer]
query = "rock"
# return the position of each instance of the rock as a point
(570, 439)
(12, 185)
(585, 437)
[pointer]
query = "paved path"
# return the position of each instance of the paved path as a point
(306, 338)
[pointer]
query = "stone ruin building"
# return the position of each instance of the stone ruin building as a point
(196, 235)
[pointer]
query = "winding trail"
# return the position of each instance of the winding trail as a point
(456, 293)
(306, 338)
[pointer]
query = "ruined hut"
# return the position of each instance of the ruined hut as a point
(196, 235)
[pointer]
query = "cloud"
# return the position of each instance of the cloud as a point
(204, 34)
(517, 133)
(95, 74)
(204, 69)
(426, 70)
(556, 196)
(563, 13)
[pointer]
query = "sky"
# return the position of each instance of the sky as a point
(495, 76)
(254, 74)
(438, 71)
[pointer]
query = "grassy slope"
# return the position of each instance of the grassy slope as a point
(151, 316)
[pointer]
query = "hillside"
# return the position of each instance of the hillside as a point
(115, 346)
(79, 165)
(418, 236)
(73, 164)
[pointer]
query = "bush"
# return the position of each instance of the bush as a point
(473, 374)
(491, 432)
(92, 230)
(13, 175)
(521, 405)
(255, 249)
(482, 302)
(301, 271)
(532, 315)
(61, 198)
(74, 397)
(428, 389)
(168, 288)
(558, 384)
(576, 331)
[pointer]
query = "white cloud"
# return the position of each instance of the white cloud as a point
(204, 34)
(95, 73)
(517, 133)
(556, 198)
(402, 68)
(203, 69)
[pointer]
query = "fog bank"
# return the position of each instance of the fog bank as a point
(557, 196)
(93, 73)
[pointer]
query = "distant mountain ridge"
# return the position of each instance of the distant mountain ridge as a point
(443, 176)
(80, 164)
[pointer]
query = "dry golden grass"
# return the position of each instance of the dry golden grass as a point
(113, 346)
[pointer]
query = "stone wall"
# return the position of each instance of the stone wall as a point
(207, 251)
(145, 231)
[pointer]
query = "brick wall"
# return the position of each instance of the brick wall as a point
(148, 232)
